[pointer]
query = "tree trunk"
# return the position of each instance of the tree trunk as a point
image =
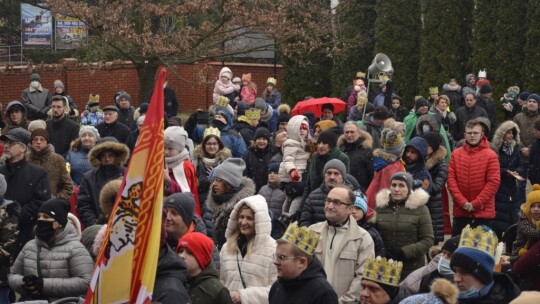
(147, 76)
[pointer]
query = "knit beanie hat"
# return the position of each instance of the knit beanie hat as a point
(273, 167)
(283, 117)
(451, 244)
(175, 138)
(434, 140)
(57, 209)
(3, 185)
(58, 84)
(241, 107)
(35, 76)
(336, 164)
(421, 102)
(405, 177)
(361, 202)
(380, 112)
(534, 97)
(259, 103)
(123, 95)
(89, 129)
(480, 264)
(37, 124)
(325, 124)
(328, 106)
(485, 88)
(524, 95)
(392, 142)
(184, 203)
(532, 197)
(262, 132)
(39, 132)
(328, 137)
(231, 171)
(199, 245)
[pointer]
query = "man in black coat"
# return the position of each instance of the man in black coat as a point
(358, 146)
(111, 126)
(27, 184)
(171, 102)
(469, 111)
(62, 130)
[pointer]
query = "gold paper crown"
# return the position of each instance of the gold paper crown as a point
(360, 74)
(93, 98)
(212, 131)
(361, 99)
(272, 80)
(382, 271)
(479, 238)
(433, 90)
(301, 237)
(223, 101)
(253, 114)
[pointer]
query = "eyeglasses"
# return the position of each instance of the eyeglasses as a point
(211, 144)
(282, 258)
(473, 133)
(335, 202)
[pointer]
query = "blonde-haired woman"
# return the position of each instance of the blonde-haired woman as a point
(247, 268)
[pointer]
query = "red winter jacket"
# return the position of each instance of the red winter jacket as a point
(474, 176)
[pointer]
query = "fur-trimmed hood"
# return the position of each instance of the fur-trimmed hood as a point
(121, 151)
(417, 198)
(436, 157)
(284, 108)
(430, 119)
(221, 155)
(108, 195)
(76, 145)
(388, 157)
(258, 204)
(365, 138)
(502, 129)
(248, 189)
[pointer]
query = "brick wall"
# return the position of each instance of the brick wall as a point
(193, 83)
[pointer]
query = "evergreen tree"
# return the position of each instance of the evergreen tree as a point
(443, 47)
(484, 36)
(531, 62)
(397, 34)
(306, 76)
(355, 23)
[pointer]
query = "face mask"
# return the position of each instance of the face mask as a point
(444, 267)
(218, 124)
(425, 129)
(470, 293)
(34, 84)
(45, 230)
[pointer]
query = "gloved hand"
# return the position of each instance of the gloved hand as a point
(395, 253)
(295, 176)
(33, 284)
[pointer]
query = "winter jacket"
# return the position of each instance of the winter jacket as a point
(220, 212)
(502, 291)
(273, 99)
(374, 233)
(406, 227)
(434, 122)
(224, 89)
(255, 269)
(244, 128)
(28, 185)
(525, 121)
(310, 286)
(257, 161)
(356, 113)
(60, 183)
(534, 163)
(418, 169)
(506, 199)
(205, 288)
(201, 170)
(9, 124)
(474, 176)
(410, 123)
(61, 133)
(9, 228)
(412, 283)
(275, 197)
(468, 88)
(77, 157)
(385, 165)
(37, 102)
(438, 170)
(360, 155)
(115, 129)
(345, 273)
(463, 115)
(126, 117)
(456, 100)
(526, 232)
(171, 102)
(373, 129)
(248, 93)
(489, 105)
(295, 154)
(182, 172)
(66, 267)
(398, 114)
(171, 275)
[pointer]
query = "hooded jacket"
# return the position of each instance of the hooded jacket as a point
(171, 275)
(456, 99)
(385, 165)
(94, 180)
(406, 226)
(502, 291)
(360, 154)
(310, 286)
(224, 89)
(205, 288)
(474, 176)
(55, 165)
(438, 170)
(9, 124)
(433, 120)
(220, 213)
(418, 168)
(256, 269)
(66, 267)
(77, 157)
(295, 155)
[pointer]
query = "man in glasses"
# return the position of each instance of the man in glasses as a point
(343, 246)
(473, 180)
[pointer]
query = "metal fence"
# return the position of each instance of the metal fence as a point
(11, 54)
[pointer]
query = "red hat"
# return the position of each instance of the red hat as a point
(199, 245)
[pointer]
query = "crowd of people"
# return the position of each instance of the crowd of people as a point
(384, 203)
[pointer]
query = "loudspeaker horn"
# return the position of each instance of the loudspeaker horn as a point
(381, 64)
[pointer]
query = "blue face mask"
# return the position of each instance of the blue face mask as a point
(444, 267)
(470, 293)
(425, 128)
(34, 84)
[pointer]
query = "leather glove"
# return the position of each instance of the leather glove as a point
(295, 176)
(395, 253)
(33, 284)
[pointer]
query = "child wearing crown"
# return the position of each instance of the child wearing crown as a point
(526, 247)
(248, 92)
(224, 85)
(92, 115)
(271, 95)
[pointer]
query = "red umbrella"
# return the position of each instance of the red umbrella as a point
(315, 105)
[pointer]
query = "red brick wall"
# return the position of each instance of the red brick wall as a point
(193, 83)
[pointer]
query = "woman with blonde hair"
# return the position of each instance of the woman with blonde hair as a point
(247, 268)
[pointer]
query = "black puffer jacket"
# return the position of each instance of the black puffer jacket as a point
(463, 115)
(257, 161)
(456, 100)
(438, 169)
(360, 155)
(374, 233)
(502, 291)
(171, 275)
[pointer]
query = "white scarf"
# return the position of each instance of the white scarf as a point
(176, 163)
